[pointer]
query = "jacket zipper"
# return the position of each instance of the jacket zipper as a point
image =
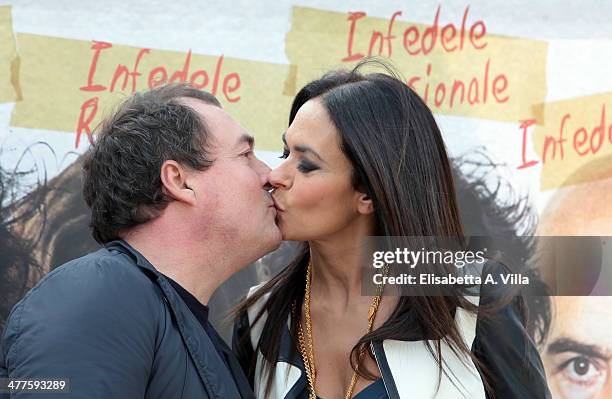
(379, 369)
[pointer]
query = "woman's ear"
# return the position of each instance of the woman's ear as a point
(364, 204)
(175, 181)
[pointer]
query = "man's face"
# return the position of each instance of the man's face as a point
(232, 195)
(578, 352)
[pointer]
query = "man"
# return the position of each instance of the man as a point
(577, 352)
(174, 190)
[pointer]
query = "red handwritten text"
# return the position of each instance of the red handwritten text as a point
(415, 40)
(217, 81)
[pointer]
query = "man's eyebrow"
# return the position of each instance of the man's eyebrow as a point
(562, 345)
(246, 138)
(303, 149)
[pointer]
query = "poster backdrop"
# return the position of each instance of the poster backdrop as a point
(522, 92)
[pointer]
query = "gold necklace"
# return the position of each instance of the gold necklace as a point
(306, 341)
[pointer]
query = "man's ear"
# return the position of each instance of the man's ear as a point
(364, 204)
(175, 182)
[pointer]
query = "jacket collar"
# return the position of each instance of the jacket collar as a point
(210, 367)
(296, 362)
(137, 257)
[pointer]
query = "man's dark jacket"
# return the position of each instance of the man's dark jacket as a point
(115, 328)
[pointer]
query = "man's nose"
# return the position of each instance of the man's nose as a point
(263, 170)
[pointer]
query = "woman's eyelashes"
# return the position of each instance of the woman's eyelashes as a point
(304, 166)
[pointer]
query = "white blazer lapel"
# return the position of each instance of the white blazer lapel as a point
(415, 370)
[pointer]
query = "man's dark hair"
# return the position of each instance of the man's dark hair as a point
(121, 170)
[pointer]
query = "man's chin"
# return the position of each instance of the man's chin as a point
(288, 236)
(276, 237)
(268, 242)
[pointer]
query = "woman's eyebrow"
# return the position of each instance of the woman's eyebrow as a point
(303, 149)
(562, 345)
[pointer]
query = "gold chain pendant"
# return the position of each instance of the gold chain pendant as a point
(306, 339)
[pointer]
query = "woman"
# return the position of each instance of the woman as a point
(364, 157)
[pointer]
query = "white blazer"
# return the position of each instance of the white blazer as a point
(409, 370)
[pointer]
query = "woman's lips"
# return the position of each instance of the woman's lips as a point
(277, 206)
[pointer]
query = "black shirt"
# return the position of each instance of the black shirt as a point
(200, 311)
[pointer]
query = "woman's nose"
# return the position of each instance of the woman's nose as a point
(278, 177)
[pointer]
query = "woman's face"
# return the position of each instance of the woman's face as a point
(314, 194)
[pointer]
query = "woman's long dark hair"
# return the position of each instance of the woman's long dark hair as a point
(399, 159)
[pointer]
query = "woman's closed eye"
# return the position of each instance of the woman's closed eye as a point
(304, 165)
